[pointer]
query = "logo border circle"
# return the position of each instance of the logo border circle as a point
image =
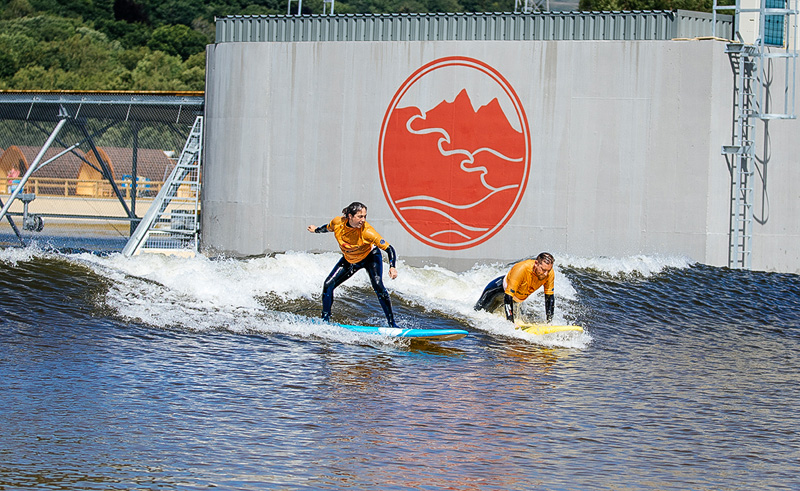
(512, 95)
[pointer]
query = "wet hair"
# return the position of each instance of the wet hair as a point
(545, 257)
(353, 208)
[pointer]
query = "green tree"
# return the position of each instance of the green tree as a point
(178, 40)
(129, 58)
(85, 9)
(8, 65)
(176, 11)
(159, 136)
(193, 74)
(129, 34)
(133, 11)
(616, 5)
(15, 9)
(44, 27)
(158, 71)
(16, 49)
(35, 77)
(118, 135)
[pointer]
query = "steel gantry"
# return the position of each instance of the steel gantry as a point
(765, 36)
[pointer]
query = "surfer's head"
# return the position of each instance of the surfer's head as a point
(545, 257)
(543, 265)
(356, 214)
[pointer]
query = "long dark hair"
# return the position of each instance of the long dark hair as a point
(353, 208)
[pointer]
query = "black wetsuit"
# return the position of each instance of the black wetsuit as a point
(343, 270)
(493, 295)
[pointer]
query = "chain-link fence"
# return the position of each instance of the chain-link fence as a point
(88, 165)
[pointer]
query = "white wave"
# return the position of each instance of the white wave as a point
(437, 288)
(202, 294)
(14, 255)
(641, 265)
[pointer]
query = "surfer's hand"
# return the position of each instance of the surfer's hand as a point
(312, 228)
(392, 272)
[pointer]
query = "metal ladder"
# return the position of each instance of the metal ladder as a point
(742, 152)
(171, 224)
(750, 61)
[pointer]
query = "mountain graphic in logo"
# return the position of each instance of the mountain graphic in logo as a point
(453, 174)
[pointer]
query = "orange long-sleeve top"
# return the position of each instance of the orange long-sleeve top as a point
(355, 243)
(520, 282)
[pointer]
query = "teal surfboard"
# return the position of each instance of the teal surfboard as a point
(426, 334)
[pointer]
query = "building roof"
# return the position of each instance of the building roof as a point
(162, 107)
(152, 164)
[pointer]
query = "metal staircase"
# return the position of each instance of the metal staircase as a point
(753, 59)
(171, 224)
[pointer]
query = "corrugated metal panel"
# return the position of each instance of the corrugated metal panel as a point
(549, 26)
(699, 24)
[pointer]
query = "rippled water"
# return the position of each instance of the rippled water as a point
(166, 373)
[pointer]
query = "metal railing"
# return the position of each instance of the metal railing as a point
(82, 188)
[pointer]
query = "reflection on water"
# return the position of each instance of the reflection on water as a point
(161, 373)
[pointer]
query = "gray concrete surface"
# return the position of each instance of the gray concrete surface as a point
(625, 142)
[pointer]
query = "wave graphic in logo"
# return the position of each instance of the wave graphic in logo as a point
(454, 174)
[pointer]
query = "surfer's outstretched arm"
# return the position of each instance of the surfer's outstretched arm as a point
(318, 230)
(549, 306)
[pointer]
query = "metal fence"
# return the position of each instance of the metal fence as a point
(88, 183)
(507, 26)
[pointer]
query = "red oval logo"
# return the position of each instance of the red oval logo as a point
(454, 172)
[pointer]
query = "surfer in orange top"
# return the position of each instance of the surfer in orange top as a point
(360, 245)
(524, 278)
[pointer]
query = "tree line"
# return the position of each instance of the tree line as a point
(160, 44)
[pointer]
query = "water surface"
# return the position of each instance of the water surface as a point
(167, 373)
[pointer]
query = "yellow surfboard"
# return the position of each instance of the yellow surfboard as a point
(539, 329)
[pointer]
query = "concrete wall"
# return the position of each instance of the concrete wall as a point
(624, 147)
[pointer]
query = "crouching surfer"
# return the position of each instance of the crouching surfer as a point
(524, 278)
(360, 245)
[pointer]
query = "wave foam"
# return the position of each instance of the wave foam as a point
(201, 294)
(640, 265)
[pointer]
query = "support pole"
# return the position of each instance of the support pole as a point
(14, 226)
(33, 167)
(134, 174)
(107, 172)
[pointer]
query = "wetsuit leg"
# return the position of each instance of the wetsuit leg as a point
(492, 295)
(341, 272)
(374, 265)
